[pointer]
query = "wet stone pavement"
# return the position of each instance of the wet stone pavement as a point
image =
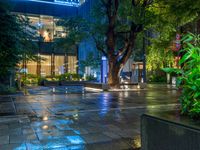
(90, 121)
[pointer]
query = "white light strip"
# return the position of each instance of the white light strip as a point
(67, 3)
(57, 3)
(93, 89)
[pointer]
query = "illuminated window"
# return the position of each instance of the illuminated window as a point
(72, 64)
(32, 67)
(59, 64)
(46, 65)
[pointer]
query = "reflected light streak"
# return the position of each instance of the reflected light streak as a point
(104, 101)
(137, 142)
(75, 139)
(45, 127)
(45, 118)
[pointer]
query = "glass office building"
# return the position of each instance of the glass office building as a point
(44, 15)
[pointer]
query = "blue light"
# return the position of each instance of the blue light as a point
(69, 2)
(75, 140)
(73, 3)
(39, 24)
(103, 58)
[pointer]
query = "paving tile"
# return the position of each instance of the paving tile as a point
(72, 147)
(3, 127)
(107, 120)
(114, 145)
(22, 138)
(55, 143)
(34, 145)
(112, 135)
(20, 146)
(4, 140)
(96, 138)
(26, 131)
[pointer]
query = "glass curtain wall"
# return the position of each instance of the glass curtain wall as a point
(72, 64)
(47, 31)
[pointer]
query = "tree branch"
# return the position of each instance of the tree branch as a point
(99, 47)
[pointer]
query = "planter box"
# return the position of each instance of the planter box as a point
(162, 134)
(142, 85)
(51, 83)
(72, 83)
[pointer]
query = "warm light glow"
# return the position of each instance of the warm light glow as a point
(45, 118)
(45, 127)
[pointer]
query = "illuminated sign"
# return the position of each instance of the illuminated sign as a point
(74, 3)
(70, 2)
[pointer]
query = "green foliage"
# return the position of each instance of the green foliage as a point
(189, 76)
(5, 89)
(15, 42)
(52, 78)
(116, 24)
(90, 78)
(41, 80)
(29, 79)
(168, 17)
(158, 58)
(90, 61)
(69, 77)
(157, 79)
(76, 30)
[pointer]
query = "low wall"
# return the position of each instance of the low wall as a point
(73, 83)
(161, 134)
(77, 83)
(96, 85)
(50, 83)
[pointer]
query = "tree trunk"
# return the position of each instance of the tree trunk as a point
(113, 75)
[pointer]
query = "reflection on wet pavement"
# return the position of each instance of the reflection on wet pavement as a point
(90, 121)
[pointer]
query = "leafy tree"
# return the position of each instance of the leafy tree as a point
(116, 25)
(91, 61)
(75, 30)
(15, 42)
(173, 17)
(119, 24)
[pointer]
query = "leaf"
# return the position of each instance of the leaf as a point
(172, 70)
(184, 58)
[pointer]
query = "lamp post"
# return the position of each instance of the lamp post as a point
(104, 69)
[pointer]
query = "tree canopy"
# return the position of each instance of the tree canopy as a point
(15, 42)
(116, 24)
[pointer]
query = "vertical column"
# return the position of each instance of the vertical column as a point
(52, 54)
(104, 69)
(39, 64)
(66, 63)
(39, 50)
(77, 60)
(53, 64)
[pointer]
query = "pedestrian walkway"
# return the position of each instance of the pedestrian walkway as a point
(89, 121)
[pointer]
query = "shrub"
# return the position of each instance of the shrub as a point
(69, 77)
(5, 89)
(189, 76)
(91, 78)
(29, 79)
(157, 78)
(41, 80)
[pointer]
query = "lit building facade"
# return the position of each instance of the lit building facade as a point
(43, 15)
